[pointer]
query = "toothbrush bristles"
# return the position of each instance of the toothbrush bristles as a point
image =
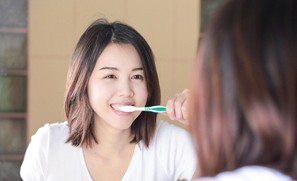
(127, 108)
(124, 108)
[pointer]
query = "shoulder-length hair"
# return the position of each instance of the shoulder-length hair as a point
(89, 47)
(244, 90)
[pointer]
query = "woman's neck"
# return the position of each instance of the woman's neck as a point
(111, 141)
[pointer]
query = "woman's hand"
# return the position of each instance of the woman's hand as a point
(177, 107)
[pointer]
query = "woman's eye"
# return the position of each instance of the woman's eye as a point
(138, 77)
(110, 77)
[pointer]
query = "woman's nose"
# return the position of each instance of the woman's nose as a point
(125, 89)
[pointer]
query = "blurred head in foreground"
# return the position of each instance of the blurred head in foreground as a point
(244, 90)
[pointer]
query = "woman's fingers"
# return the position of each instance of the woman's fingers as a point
(177, 107)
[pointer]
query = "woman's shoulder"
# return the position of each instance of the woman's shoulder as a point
(167, 131)
(52, 140)
(164, 127)
(172, 140)
(52, 131)
(58, 127)
(174, 150)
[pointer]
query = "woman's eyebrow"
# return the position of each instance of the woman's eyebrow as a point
(108, 68)
(114, 68)
(136, 69)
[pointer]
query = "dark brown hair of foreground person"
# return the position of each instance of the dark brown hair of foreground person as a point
(244, 88)
(89, 47)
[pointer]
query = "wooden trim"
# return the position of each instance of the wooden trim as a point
(13, 115)
(11, 157)
(13, 30)
(13, 72)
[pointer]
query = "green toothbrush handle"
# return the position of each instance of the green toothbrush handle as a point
(156, 109)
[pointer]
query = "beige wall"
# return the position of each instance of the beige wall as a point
(169, 26)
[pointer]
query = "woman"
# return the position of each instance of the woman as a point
(112, 66)
(243, 110)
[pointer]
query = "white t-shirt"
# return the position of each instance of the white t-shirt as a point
(170, 156)
(249, 173)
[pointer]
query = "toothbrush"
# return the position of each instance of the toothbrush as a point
(156, 109)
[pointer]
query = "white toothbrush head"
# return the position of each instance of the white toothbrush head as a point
(124, 108)
(127, 108)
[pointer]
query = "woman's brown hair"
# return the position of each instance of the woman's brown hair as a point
(89, 47)
(244, 90)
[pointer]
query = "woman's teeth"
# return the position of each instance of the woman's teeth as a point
(116, 107)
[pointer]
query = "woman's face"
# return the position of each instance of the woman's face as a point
(117, 79)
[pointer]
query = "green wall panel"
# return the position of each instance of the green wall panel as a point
(12, 136)
(10, 170)
(13, 13)
(13, 51)
(13, 93)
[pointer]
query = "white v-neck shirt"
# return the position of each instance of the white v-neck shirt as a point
(169, 157)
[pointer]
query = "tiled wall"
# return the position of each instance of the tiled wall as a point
(170, 26)
(13, 86)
